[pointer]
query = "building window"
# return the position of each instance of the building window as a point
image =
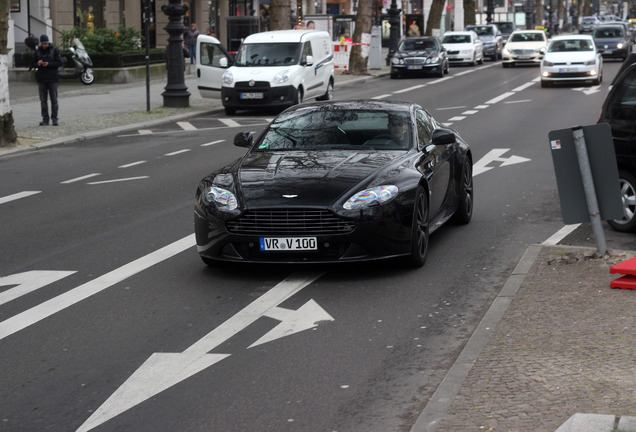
(89, 14)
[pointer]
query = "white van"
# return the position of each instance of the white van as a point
(272, 69)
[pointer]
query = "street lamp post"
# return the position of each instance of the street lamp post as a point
(394, 21)
(176, 93)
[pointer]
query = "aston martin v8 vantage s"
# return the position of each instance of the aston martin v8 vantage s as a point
(334, 182)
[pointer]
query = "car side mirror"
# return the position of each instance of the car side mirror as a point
(223, 62)
(309, 60)
(244, 139)
(443, 136)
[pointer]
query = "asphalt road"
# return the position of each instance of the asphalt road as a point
(117, 324)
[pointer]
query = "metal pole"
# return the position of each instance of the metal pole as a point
(147, 37)
(588, 186)
(394, 20)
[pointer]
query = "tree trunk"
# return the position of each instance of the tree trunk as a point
(434, 16)
(362, 34)
(469, 12)
(280, 15)
(7, 131)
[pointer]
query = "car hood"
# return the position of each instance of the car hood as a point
(486, 39)
(525, 45)
(571, 57)
(459, 46)
(305, 177)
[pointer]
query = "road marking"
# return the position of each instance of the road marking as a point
(518, 101)
(144, 132)
(500, 98)
(17, 196)
(212, 143)
(164, 370)
(229, 122)
(560, 235)
(132, 164)
(76, 179)
(481, 107)
(384, 96)
(465, 72)
(451, 108)
(28, 282)
(457, 118)
(524, 86)
(470, 112)
(44, 310)
(406, 90)
(118, 180)
(439, 80)
(494, 155)
(177, 152)
(186, 125)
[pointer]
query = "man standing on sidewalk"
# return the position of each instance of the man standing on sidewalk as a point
(191, 41)
(46, 61)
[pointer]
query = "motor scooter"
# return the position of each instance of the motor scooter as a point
(82, 61)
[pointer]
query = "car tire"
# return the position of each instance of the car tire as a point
(419, 230)
(230, 111)
(464, 212)
(481, 60)
(628, 198)
(298, 97)
(394, 75)
(328, 94)
(440, 72)
(447, 69)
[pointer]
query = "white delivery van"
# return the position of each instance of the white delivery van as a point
(273, 69)
(212, 62)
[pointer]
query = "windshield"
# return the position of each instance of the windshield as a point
(337, 130)
(270, 54)
(453, 39)
(482, 30)
(605, 33)
(527, 37)
(571, 45)
(417, 45)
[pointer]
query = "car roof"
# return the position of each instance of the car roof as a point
(528, 31)
(458, 33)
(283, 36)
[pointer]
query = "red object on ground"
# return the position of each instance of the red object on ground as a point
(627, 268)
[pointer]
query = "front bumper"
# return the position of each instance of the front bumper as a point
(461, 57)
(522, 57)
(415, 68)
(568, 73)
(613, 52)
(261, 94)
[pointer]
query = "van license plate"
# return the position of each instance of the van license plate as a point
(288, 243)
(251, 95)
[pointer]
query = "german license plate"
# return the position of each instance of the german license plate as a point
(251, 95)
(523, 57)
(565, 70)
(414, 67)
(288, 243)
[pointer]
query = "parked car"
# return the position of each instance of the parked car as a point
(619, 111)
(524, 47)
(419, 54)
(612, 42)
(336, 181)
(491, 37)
(463, 47)
(588, 24)
(571, 58)
(506, 28)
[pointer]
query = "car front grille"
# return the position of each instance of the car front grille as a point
(289, 222)
(453, 52)
(568, 64)
(571, 75)
(522, 51)
(415, 60)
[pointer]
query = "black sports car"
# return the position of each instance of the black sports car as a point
(419, 54)
(336, 181)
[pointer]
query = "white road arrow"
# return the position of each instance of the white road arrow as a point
(163, 370)
(494, 155)
(588, 90)
(28, 281)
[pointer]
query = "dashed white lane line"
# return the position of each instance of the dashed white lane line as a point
(212, 143)
(518, 101)
(457, 118)
(132, 164)
(144, 132)
(76, 179)
(409, 89)
(229, 122)
(500, 98)
(17, 196)
(384, 96)
(524, 86)
(118, 180)
(177, 152)
(470, 112)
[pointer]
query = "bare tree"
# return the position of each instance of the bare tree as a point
(361, 34)
(280, 15)
(434, 16)
(7, 131)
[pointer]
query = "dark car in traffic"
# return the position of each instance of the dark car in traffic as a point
(588, 24)
(417, 55)
(619, 111)
(336, 182)
(506, 28)
(612, 41)
(491, 37)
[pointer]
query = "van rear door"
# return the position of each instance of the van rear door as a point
(212, 62)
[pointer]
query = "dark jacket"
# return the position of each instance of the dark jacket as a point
(50, 55)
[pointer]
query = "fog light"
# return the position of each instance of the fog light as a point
(546, 74)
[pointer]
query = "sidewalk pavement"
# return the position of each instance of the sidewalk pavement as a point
(555, 352)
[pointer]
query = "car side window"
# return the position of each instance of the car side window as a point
(623, 103)
(306, 52)
(211, 54)
(425, 128)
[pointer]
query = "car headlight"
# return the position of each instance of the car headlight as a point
(540, 50)
(434, 59)
(371, 197)
(228, 78)
(505, 51)
(547, 63)
(223, 199)
(396, 60)
(282, 77)
(619, 45)
(590, 62)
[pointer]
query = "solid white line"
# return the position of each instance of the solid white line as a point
(186, 125)
(118, 180)
(144, 132)
(524, 86)
(481, 107)
(212, 143)
(229, 122)
(69, 298)
(465, 72)
(19, 195)
(519, 101)
(384, 96)
(450, 108)
(177, 152)
(132, 164)
(499, 98)
(80, 178)
(560, 235)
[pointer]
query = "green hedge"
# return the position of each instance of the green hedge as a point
(100, 60)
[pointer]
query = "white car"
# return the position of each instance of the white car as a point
(571, 58)
(463, 47)
(524, 47)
